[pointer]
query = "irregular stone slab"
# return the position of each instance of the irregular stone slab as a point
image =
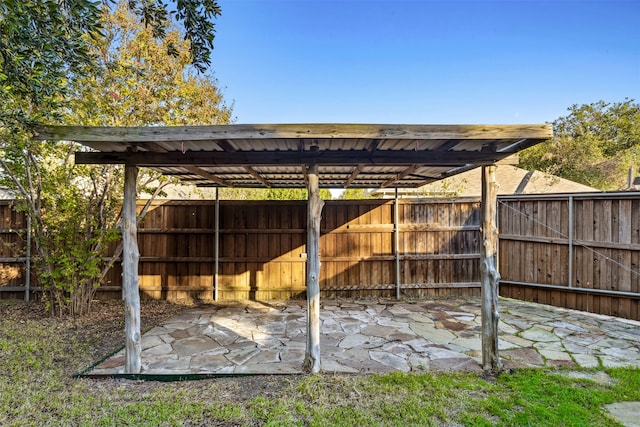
(175, 326)
(399, 349)
(435, 353)
(399, 311)
(567, 325)
(506, 345)
(438, 336)
(149, 341)
(549, 346)
(169, 366)
(401, 336)
(615, 343)
(112, 362)
(420, 317)
(516, 340)
(538, 334)
(265, 356)
(362, 341)
(555, 355)
(612, 362)
(455, 364)
(621, 353)
(157, 350)
(419, 345)
(378, 331)
(157, 330)
(585, 339)
(626, 413)
(468, 343)
(293, 355)
(586, 360)
(269, 368)
(453, 325)
(241, 355)
(528, 356)
(351, 327)
(194, 345)
(396, 362)
(506, 328)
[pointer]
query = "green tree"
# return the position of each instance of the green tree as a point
(75, 208)
(356, 194)
(269, 194)
(45, 45)
(595, 144)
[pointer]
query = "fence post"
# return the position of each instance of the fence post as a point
(396, 238)
(27, 278)
(570, 241)
(216, 279)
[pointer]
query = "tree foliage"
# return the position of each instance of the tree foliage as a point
(46, 44)
(75, 208)
(356, 194)
(595, 145)
(269, 194)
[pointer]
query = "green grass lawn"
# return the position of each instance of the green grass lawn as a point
(38, 356)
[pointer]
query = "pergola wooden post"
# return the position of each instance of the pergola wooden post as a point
(488, 270)
(314, 212)
(130, 256)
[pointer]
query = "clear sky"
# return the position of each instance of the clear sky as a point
(424, 61)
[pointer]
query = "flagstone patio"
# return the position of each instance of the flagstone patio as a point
(367, 336)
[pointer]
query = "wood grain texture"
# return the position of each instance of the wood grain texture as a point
(130, 254)
(291, 131)
(312, 354)
(489, 277)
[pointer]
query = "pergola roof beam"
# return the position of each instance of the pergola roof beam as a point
(288, 131)
(400, 176)
(274, 158)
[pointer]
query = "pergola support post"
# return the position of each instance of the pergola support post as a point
(489, 272)
(314, 212)
(130, 256)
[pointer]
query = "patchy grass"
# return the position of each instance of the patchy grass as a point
(38, 356)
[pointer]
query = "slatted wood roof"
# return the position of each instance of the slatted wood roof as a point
(262, 156)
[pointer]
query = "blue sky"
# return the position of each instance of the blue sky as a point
(424, 61)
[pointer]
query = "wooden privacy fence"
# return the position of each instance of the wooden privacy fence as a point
(577, 251)
(430, 248)
(574, 251)
(262, 249)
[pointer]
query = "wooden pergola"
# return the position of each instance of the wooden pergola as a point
(311, 156)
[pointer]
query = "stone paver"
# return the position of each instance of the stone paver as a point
(378, 336)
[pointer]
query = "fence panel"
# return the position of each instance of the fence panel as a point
(575, 251)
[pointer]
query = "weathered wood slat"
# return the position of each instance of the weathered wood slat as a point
(287, 131)
(130, 254)
(489, 277)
